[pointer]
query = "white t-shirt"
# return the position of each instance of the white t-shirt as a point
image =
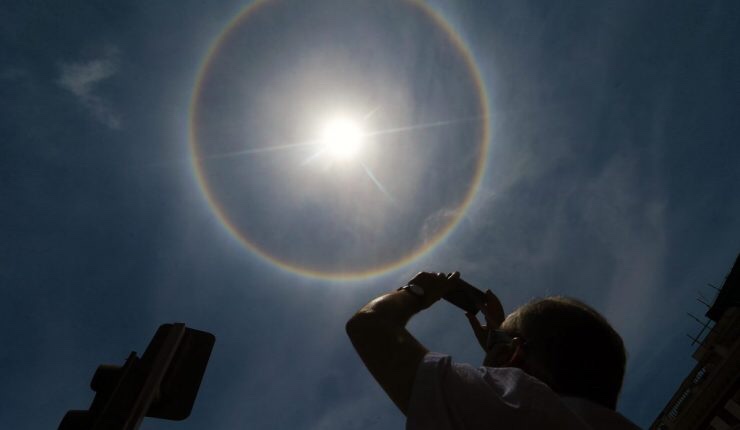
(448, 395)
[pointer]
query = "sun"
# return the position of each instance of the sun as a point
(342, 138)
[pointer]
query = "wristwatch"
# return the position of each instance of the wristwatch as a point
(414, 289)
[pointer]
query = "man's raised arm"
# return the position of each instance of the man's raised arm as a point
(378, 333)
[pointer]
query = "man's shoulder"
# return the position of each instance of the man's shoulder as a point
(491, 395)
(507, 379)
(505, 387)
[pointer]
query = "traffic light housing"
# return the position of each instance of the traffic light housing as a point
(163, 383)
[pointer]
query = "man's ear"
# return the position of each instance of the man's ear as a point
(517, 353)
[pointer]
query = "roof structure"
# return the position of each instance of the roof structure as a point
(729, 294)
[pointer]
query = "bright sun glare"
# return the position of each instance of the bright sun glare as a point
(342, 138)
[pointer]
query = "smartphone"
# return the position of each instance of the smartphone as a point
(466, 297)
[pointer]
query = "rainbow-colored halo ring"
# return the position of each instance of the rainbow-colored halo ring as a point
(249, 238)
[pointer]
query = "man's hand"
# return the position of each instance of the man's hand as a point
(493, 312)
(435, 286)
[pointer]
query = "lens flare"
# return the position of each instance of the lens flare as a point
(342, 138)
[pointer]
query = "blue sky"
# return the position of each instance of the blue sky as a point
(611, 176)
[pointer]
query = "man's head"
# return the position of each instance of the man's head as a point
(566, 344)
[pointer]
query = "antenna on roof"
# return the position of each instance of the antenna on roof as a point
(702, 296)
(695, 340)
(704, 325)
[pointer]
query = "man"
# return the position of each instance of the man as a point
(554, 363)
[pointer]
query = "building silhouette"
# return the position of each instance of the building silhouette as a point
(709, 397)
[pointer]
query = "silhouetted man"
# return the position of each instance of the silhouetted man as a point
(554, 363)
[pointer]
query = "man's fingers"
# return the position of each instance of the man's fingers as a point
(480, 331)
(420, 277)
(424, 278)
(492, 310)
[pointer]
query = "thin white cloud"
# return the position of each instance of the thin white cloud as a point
(81, 79)
(436, 222)
(627, 214)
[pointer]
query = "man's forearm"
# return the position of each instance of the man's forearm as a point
(394, 308)
(392, 355)
(378, 333)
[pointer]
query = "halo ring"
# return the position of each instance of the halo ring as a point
(195, 155)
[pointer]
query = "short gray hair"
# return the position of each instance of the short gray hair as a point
(579, 350)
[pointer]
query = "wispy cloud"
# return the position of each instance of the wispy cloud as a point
(81, 79)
